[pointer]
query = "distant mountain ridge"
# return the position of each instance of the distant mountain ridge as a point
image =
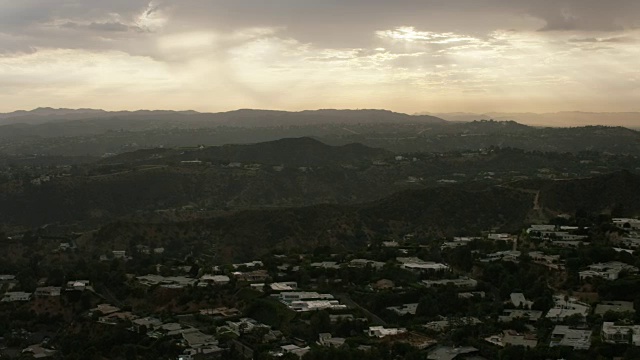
(562, 118)
(241, 117)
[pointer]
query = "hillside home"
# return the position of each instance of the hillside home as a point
(196, 339)
(509, 315)
(383, 284)
(148, 323)
(202, 353)
(513, 338)
(314, 305)
(518, 300)
(381, 331)
(575, 338)
(565, 308)
(609, 271)
(245, 325)
(14, 296)
(77, 285)
(513, 256)
(326, 339)
(217, 280)
(362, 263)
(450, 353)
(405, 309)
(48, 291)
(251, 265)
(461, 283)
(620, 334)
(614, 306)
(252, 276)
(325, 265)
(627, 224)
(419, 265)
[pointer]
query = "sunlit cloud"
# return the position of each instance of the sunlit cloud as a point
(222, 55)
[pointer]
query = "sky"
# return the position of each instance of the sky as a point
(403, 55)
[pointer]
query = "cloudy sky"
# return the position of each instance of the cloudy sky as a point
(403, 55)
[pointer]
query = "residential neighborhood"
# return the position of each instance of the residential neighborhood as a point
(458, 304)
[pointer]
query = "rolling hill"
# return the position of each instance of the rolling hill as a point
(428, 213)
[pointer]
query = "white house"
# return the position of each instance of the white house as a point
(48, 291)
(627, 224)
(620, 334)
(609, 271)
(16, 296)
(381, 331)
(565, 308)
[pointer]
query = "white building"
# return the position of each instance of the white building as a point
(314, 305)
(215, 279)
(416, 264)
(621, 334)
(609, 271)
(77, 285)
(326, 339)
(518, 300)
(381, 331)
(405, 309)
(362, 263)
(48, 291)
(16, 296)
(461, 282)
(565, 308)
(627, 224)
(565, 336)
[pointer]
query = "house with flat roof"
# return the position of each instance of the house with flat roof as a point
(451, 323)
(381, 331)
(513, 338)
(419, 265)
(614, 306)
(577, 339)
(627, 224)
(362, 263)
(48, 291)
(77, 285)
(518, 300)
(610, 270)
(508, 255)
(450, 353)
(326, 339)
(14, 296)
(509, 315)
(405, 309)
(620, 334)
(216, 280)
(461, 282)
(567, 307)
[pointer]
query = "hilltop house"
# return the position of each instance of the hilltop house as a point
(609, 271)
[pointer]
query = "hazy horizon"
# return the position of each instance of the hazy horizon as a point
(553, 119)
(407, 56)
